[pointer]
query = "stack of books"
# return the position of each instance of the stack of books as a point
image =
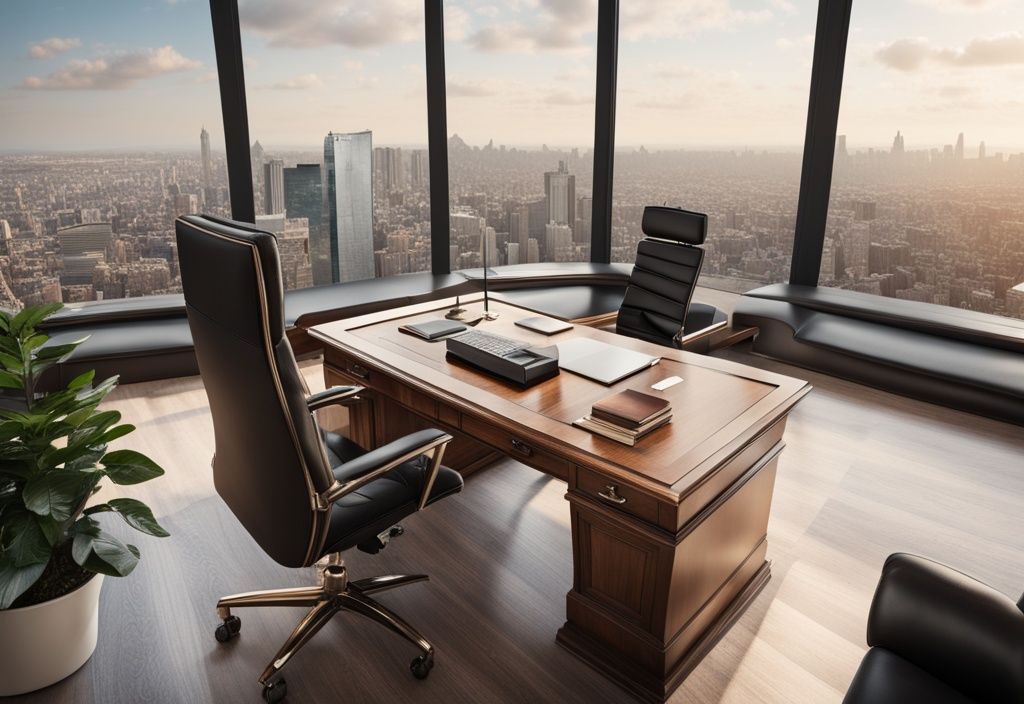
(627, 416)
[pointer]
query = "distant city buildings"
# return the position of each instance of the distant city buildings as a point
(348, 169)
(273, 187)
(207, 165)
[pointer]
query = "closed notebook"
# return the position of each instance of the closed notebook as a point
(433, 329)
(626, 437)
(629, 408)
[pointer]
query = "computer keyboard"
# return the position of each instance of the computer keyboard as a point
(490, 343)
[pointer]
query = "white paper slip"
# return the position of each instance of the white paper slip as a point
(666, 383)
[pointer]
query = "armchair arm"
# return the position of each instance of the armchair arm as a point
(963, 632)
(336, 395)
(373, 464)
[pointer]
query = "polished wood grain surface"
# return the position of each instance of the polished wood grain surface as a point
(864, 474)
(717, 404)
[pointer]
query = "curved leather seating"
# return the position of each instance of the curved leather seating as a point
(962, 359)
(941, 637)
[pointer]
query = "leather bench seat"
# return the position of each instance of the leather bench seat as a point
(568, 302)
(976, 366)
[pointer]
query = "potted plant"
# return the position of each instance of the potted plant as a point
(53, 549)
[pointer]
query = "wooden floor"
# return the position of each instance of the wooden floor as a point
(864, 474)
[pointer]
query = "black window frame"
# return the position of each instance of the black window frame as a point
(831, 33)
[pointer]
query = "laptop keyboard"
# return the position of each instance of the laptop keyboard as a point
(492, 344)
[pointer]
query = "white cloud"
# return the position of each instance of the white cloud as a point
(303, 82)
(556, 25)
(960, 6)
(640, 19)
(471, 89)
(114, 72)
(312, 23)
(785, 43)
(53, 46)
(914, 53)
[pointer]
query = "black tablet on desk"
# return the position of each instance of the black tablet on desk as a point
(434, 329)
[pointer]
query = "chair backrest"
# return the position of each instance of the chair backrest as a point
(664, 275)
(270, 461)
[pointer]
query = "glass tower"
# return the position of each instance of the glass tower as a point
(348, 171)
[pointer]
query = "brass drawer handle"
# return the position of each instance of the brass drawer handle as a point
(521, 447)
(359, 371)
(612, 495)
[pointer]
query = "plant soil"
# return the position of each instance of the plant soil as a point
(62, 576)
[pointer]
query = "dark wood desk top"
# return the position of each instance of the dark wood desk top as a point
(717, 409)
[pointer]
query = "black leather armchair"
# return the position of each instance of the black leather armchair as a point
(941, 637)
(657, 306)
(304, 494)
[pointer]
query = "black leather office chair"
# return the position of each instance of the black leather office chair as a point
(302, 493)
(941, 637)
(657, 306)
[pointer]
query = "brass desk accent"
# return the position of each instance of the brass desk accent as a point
(669, 537)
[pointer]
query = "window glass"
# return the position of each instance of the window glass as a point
(111, 127)
(520, 89)
(711, 115)
(336, 94)
(927, 200)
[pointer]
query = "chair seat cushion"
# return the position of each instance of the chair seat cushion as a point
(885, 678)
(383, 502)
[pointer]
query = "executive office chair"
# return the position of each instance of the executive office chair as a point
(657, 305)
(302, 493)
(941, 637)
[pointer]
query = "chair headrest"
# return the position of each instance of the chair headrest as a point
(675, 224)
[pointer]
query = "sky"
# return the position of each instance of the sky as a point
(129, 74)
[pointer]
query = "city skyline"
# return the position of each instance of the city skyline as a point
(682, 80)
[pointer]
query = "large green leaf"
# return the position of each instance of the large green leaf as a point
(15, 581)
(135, 513)
(25, 542)
(82, 380)
(58, 493)
(101, 552)
(31, 316)
(58, 353)
(10, 380)
(130, 467)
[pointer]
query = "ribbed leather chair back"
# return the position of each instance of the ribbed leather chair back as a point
(664, 275)
(270, 460)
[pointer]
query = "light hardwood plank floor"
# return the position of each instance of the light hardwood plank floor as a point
(864, 474)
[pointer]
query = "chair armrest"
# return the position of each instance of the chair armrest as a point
(961, 631)
(373, 464)
(336, 395)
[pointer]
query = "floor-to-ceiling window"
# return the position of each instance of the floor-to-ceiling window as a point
(520, 97)
(711, 114)
(110, 126)
(927, 197)
(336, 94)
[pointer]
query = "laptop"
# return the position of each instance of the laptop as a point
(600, 361)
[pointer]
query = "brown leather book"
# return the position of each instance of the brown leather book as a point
(629, 408)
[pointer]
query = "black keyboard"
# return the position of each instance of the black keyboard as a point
(502, 356)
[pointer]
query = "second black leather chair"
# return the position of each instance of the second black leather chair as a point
(657, 304)
(302, 493)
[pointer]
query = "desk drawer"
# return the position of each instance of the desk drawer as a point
(613, 494)
(518, 448)
(372, 379)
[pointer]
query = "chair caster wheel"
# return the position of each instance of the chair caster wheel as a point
(275, 692)
(421, 666)
(228, 630)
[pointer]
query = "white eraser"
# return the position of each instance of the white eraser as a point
(666, 383)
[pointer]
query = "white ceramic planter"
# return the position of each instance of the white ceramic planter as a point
(43, 644)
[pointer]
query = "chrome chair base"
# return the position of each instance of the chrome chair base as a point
(335, 593)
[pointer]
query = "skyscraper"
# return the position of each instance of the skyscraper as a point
(273, 187)
(959, 153)
(388, 168)
(897, 144)
(348, 165)
(560, 195)
(419, 168)
(256, 158)
(204, 155)
(303, 198)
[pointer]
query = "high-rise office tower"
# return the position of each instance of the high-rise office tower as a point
(419, 168)
(256, 158)
(273, 187)
(304, 198)
(204, 155)
(348, 174)
(388, 168)
(560, 195)
(584, 215)
(512, 253)
(519, 226)
(841, 152)
(897, 143)
(981, 150)
(959, 153)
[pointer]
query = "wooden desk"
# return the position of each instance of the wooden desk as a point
(666, 564)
